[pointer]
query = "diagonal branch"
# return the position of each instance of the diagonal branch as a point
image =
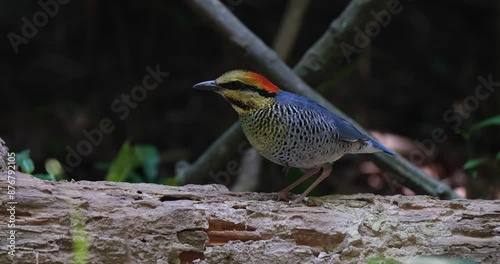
(230, 28)
(323, 58)
(290, 27)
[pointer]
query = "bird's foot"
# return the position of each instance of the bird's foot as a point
(286, 197)
(297, 200)
(310, 201)
(283, 196)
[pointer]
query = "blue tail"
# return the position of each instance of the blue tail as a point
(381, 147)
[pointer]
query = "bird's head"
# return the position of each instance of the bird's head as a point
(246, 91)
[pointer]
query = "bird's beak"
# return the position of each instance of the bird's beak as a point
(208, 86)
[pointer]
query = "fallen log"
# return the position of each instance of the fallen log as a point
(150, 223)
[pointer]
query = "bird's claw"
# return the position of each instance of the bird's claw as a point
(283, 196)
(298, 200)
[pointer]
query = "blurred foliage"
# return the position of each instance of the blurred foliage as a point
(52, 166)
(493, 121)
(124, 167)
(472, 164)
(475, 163)
(129, 159)
(24, 161)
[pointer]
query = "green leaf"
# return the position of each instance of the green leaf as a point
(24, 161)
(47, 177)
(124, 162)
(492, 121)
(149, 157)
(54, 167)
(473, 163)
(498, 156)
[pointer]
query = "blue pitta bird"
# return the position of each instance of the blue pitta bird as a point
(289, 129)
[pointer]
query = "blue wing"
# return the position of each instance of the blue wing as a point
(347, 132)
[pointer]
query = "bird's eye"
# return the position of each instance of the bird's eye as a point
(236, 85)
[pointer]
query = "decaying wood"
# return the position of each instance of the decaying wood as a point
(3, 156)
(149, 223)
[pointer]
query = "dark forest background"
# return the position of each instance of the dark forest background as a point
(428, 59)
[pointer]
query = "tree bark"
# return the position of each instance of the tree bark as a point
(149, 223)
(3, 156)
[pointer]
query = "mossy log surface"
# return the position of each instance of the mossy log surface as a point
(150, 223)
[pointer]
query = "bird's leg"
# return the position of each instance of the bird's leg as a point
(326, 172)
(282, 195)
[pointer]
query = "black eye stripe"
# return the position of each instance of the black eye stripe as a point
(237, 85)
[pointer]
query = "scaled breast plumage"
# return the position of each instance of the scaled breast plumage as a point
(298, 132)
